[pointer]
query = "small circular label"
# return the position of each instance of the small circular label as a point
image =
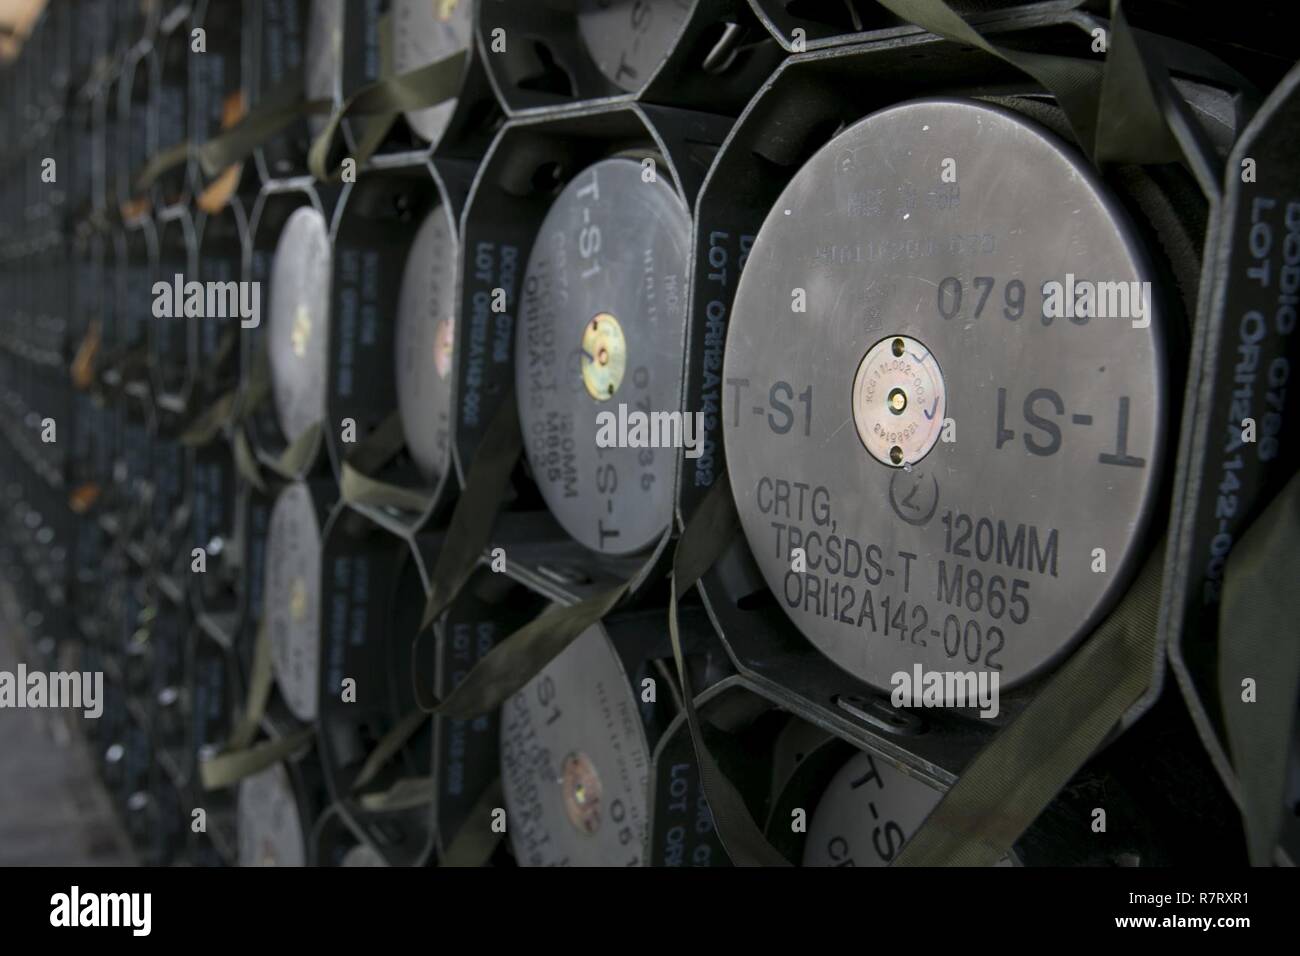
(581, 793)
(898, 401)
(604, 356)
(444, 344)
(301, 333)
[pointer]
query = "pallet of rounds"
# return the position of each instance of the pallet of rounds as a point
(291, 604)
(855, 507)
(287, 353)
(707, 55)
(391, 337)
(466, 755)
(395, 37)
(371, 597)
(572, 305)
(277, 808)
(578, 742)
(297, 50)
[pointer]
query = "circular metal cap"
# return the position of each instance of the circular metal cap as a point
(975, 550)
(267, 821)
(898, 401)
(299, 332)
(606, 278)
(868, 811)
(575, 762)
(424, 344)
(292, 605)
(424, 31)
(628, 39)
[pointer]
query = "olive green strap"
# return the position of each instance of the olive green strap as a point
(406, 794)
(388, 746)
(246, 461)
(161, 162)
(295, 459)
(475, 841)
(231, 767)
(470, 528)
(706, 536)
(514, 661)
(238, 759)
(204, 429)
(1258, 641)
(357, 487)
(1116, 118)
(1013, 779)
(429, 85)
(280, 107)
(260, 679)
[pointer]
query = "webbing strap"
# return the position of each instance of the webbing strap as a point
(706, 536)
(1015, 777)
(384, 100)
(1120, 119)
(239, 759)
(280, 107)
(294, 460)
(246, 461)
(260, 679)
(514, 661)
(1259, 640)
(379, 447)
(204, 429)
(1120, 111)
(229, 768)
(470, 528)
(475, 841)
(406, 794)
(388, 746)
(358, 489)
(160, 163)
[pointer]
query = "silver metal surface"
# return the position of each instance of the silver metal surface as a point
(299, 321)
(628, 39)
(424, 31)
(267, 821)
(980, 557)
(424, 342)
(292, 604)
(575, 763)
(323, 52)
(363, 854)
(612, 244)
(866, 814)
